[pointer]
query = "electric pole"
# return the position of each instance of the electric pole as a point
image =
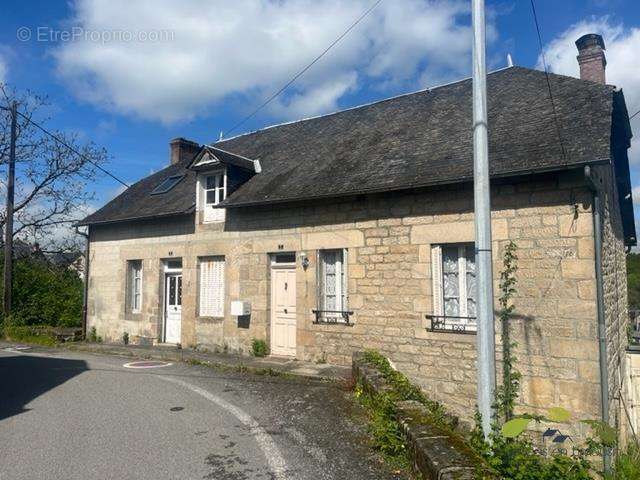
(8, 224)
(482, 209)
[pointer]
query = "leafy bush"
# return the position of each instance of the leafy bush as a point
(44, 294)
(125, 338)
(259, 348)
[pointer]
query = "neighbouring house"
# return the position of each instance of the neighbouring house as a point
(354, 230)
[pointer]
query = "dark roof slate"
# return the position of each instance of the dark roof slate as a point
(414, 140)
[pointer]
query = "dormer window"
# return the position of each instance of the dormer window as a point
(213, 188)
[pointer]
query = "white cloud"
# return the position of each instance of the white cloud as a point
(245, 49)
(622, 47)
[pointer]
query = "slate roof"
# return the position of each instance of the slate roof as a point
(415, 140)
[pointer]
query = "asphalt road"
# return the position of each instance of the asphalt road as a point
(80, 416)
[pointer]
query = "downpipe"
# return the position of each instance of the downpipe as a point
(602, 332)
(85, 291)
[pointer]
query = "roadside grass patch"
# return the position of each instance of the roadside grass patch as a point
(27, 334)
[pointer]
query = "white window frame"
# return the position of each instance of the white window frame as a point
(341, 287)
(212, 214)
(219, 189)
(438, 284)
(204, 309)
(134, 282)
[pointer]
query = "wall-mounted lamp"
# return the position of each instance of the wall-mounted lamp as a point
(304, 260)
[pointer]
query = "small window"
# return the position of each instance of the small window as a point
(167, 184)
(134, 285)
(332, 286)
(454, 285)
(212, 287)
(214, 189)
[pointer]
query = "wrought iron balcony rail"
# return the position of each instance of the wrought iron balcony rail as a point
(452, 324)
(339, 317)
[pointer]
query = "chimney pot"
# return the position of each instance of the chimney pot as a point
(591, 58)
(182, 150)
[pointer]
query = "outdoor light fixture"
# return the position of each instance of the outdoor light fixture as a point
(304, 260)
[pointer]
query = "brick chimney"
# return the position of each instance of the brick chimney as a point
(591, 58)
(182, 149)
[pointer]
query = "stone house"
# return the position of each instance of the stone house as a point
(354, 230)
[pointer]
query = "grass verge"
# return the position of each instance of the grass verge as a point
(26, 334)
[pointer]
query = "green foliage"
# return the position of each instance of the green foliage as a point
(93, 336)
(125, 338)
(403, 389)
(515, 427)
(44, 294)
(507, 393)
(627, 464)
(384, 426)
(259, 348)
(27, 334)
(633, 280)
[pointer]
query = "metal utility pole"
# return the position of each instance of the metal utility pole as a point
(482, 208)
(8, 224)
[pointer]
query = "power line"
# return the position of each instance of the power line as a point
(546, 72)
(65, 144)
(301, 72)
(631, 117)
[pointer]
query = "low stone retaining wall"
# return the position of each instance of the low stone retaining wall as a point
(436, 453)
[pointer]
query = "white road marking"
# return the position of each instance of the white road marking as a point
(276, 462)
(147, 364)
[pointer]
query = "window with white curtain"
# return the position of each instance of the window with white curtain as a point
(332, 283)
(134, 285)
(212, 287)
(454, 282)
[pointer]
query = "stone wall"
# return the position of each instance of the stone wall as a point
(615, 294)
(389, 238)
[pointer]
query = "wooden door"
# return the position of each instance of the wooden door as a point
(173, 308)
(283, 312)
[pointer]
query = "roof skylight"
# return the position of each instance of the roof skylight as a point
(167, 184)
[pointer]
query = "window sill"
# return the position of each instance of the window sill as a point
(208, 319)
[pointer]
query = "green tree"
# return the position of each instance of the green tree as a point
(45, 294)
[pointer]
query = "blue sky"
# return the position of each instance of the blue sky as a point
(194, 68)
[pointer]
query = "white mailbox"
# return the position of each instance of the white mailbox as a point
(240, 308)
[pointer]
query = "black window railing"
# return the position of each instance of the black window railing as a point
(340, 317)
(452, 324)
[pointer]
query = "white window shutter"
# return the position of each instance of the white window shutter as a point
(436, 274)
(212, 287)
(345, 281)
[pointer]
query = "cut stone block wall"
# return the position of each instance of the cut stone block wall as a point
(389, 238)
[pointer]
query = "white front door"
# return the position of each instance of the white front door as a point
(283, 311)
(173, 307)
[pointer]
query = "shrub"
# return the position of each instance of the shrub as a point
(125, 338)
(45, 294)
(259, 348)
(93, 335)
